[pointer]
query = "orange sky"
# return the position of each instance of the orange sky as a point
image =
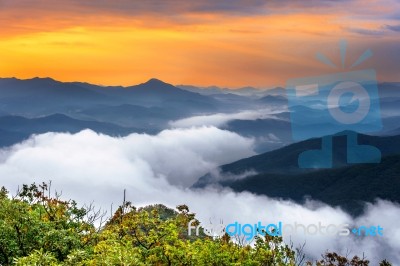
(226, 44)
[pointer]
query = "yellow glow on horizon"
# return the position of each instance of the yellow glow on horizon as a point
(207, 50)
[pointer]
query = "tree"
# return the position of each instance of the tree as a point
(32, 222)
(39, 229)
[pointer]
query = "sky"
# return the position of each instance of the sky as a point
(228, 43)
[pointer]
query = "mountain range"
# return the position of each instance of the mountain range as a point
(41, 105)
(27, 105)
(277, 174)
(14, 129)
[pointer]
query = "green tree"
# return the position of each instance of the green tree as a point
(33, 222)
(39, 229)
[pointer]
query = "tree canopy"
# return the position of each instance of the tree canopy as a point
(37, 228)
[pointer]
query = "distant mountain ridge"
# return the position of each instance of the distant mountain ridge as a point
(244, 91)
(149, 106)
(28, 97)
(14, 129)
(153, 104)
(348, 187)
(278, 174)
(285, 160)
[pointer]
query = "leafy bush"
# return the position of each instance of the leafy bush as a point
(38, 229)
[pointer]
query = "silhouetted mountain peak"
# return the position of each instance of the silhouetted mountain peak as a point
(153, 82)
(273, 97)
(46, 80)
(155, 85)
(34, 80)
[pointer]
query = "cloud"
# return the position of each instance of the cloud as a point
(167, 8)
(165, 155)
(368, 32)
(393, 27)
(221, 119)
(270, 138)
(156, 169)
(203, 42)
(178, 8)
(380, 31)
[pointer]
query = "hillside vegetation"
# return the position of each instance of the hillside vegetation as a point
(38, 229)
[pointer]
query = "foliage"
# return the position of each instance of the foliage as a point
(37, 225)
(39, 229)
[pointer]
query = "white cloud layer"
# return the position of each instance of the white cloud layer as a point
(157, 169)
(221, 119)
